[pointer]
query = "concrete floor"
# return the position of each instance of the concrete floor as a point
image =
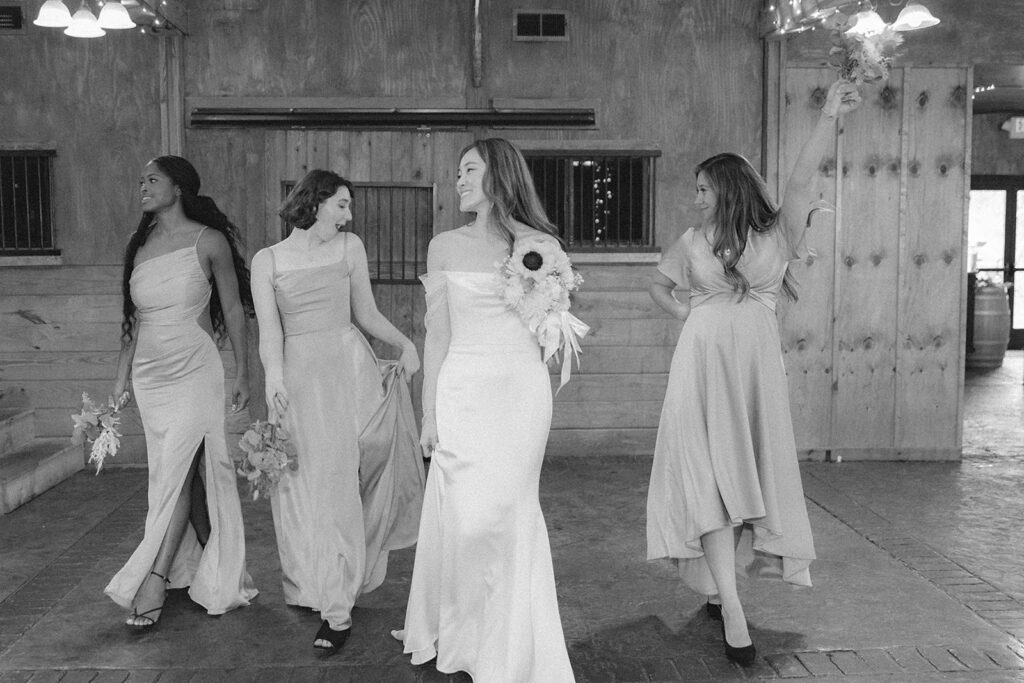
(920, 578)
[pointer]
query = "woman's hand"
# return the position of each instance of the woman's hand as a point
(277, 397)
(428, 434)
(843, 97)
(240, 394)
(122, 395)
(410, 360)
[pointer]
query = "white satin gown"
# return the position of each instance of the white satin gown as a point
(483, 598)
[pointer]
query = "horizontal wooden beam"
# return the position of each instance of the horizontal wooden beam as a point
(389, 118)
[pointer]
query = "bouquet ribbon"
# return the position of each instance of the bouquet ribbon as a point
(560, 330)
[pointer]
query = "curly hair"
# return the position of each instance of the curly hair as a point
(509, 185)
(300, 206)
(743, 205)
(202, 210)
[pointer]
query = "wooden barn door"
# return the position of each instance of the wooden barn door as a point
(405, 192)
(874, 346)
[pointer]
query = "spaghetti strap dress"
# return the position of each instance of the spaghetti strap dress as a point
(725, 454)
(178, 384)
(482, 598)
(334, 387)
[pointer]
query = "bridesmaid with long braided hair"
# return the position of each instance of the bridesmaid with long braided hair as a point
(186, 287)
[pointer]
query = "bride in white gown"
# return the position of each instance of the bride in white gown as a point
(483, 597)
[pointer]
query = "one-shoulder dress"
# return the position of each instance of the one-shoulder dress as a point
(178, 383)
(483, 588)
(725, 453)
(334, 386)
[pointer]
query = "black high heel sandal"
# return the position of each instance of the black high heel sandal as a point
(714, 611)
(744, 656)
(335, 638)
(136, 614)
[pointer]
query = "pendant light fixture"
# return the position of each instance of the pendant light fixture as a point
(914, 16)
(53, 14)
(84, 24)
(866, 23)
(113, 15)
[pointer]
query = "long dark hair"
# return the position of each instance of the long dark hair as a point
(509, 185)
(202, 210)
(300, 206)
(743, 205)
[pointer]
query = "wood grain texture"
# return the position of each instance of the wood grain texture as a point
(867, 262)
(806, 326)
(928, 365)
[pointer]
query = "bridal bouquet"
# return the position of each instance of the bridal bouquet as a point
(98, 425)
(863, 58)
(266, 453)
(535, 281)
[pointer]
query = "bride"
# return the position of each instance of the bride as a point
(483, 598)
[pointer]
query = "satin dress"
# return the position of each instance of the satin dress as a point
(725, 454)
(178, 385)
(334, 387)
(483, 588)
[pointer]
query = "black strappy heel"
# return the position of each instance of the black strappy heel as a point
(335, 638)
(136, 614)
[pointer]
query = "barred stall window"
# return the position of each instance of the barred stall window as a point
(395, 221)
(26, 213)
(599, 200)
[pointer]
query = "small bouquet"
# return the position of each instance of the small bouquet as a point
(98, 425)
(266, 453)
(863, 58)
(535, 281)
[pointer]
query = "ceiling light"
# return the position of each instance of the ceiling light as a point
(53, 14)
(914, 16)
(115, 16)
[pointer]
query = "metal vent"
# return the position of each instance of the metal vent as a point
(540, 25)
(11, 18)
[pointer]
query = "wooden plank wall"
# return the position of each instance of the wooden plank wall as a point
(873, 347)
(59, 326)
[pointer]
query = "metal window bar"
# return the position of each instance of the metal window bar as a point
(26, 209)
(394, 222)
(599, 200)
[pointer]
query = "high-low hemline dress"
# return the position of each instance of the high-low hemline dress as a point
(725, 453)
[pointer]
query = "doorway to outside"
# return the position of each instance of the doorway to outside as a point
(995, 240)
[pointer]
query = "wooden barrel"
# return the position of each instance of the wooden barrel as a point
(991, 327)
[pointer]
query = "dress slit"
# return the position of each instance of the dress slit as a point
(199, 510)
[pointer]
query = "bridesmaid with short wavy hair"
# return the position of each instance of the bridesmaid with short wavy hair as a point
(323, 380)
(185, 285)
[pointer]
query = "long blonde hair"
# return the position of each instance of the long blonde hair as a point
(509, 186)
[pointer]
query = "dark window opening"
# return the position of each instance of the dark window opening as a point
(598, 201)
(532, 25)
(26, 212)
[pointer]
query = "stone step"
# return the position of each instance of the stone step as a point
(17, 428)
(34, 468)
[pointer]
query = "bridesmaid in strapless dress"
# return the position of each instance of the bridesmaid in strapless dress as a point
(322, 378)
(184, 283)
(483, 597)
